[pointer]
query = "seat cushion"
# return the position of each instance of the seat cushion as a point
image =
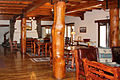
(104, 55)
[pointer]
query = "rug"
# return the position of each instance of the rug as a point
(43, 59)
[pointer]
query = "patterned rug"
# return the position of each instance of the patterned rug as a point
(43, 59)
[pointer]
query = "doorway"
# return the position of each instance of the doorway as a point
(103, 34)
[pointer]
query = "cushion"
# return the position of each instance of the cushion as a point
(105, 55)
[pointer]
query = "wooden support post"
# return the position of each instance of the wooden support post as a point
(39, 28)
(58, 30)
(114, 27)
(23, 35)
(12, 28)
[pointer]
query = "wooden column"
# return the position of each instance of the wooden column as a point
(12, 28)
(114, 27)
(58, 30)
(39, 28)
(23, 35)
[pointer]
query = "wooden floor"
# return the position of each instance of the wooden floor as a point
(14, 66)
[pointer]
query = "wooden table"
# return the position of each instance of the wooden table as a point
(88, 43)
(72, 50)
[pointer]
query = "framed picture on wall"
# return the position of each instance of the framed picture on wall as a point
(28, 25)
(82, 29)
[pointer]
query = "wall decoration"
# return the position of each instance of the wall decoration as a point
(82, 29)
(28, 25)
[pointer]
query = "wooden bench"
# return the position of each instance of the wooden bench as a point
(98, 71)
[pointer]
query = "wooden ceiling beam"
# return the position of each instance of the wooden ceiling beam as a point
(6, 17)
(76, 14)
(39, 13)
(15, 2)
(84, 7)
(34, 5)
(10, 11)
(13, 5)
(44, 17)
(5, 7)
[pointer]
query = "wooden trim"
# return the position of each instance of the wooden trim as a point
(102, 21)
(98, 34)
(70, 24)
(4, 25)
(46, 25)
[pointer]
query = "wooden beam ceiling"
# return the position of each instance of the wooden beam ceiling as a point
(84, 7)
(44, 8)
(35, 5)
(10, 11)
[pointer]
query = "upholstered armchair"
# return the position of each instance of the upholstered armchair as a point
(116, 54)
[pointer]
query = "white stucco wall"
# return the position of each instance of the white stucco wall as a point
(89, 23)
(32, 33)
(3, 30)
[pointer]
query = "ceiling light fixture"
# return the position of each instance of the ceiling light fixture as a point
(32, 18)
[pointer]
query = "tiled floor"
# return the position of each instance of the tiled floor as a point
(14, 66)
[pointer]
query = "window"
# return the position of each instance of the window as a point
(48, 31)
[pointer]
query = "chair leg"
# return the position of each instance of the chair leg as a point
(46, 50)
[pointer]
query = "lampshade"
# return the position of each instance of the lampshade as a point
(73, 32)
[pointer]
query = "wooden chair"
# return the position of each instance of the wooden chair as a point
(90, 53)
(13, 45)
(29, 44)
(67, 56)
(40, 48)
(67, 41)
(98, 71)
(47, 51)
(51, 54)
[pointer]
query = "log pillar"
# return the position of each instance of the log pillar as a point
(58, 30)
(39, 28)
(114, 27)
(23, 35)
(12, 28)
